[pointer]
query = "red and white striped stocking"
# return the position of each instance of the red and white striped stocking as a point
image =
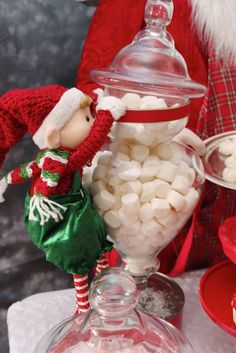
(102, 264)
(82, 291)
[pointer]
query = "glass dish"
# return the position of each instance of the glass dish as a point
(214, 161)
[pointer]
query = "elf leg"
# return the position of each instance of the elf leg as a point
(102, 264)
(82, 291)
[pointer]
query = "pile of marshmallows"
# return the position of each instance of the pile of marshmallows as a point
(143, 189)
(228, 149)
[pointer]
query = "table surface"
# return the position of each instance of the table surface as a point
(31, 318)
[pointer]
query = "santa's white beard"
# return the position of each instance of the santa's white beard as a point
(215, 20)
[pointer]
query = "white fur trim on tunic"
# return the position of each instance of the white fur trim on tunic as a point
(114, 105)
(59, 115)
(215, 21)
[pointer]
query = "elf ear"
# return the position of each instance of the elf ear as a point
(52, 138)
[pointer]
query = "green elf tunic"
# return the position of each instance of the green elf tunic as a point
(63, 224)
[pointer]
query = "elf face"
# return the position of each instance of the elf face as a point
(73, 132)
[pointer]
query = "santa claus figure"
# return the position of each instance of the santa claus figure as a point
(205, 34)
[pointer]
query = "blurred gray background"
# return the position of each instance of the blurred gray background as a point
(40, 43)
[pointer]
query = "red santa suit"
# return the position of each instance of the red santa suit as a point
(210, 53)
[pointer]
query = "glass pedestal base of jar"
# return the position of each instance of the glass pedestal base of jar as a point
(159, 295)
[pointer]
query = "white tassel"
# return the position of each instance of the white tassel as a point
(46, 208)
(3, 188)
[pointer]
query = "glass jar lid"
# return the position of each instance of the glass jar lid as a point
(114, 325)
(151, 64)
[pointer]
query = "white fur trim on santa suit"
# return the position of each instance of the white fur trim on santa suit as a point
(59, 115)
(215, 21)
(114, 105)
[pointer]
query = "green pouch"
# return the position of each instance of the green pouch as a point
(75, 243)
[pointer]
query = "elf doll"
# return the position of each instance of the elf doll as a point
(58, 212)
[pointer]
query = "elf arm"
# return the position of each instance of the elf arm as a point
(18, 175)
(108, 110)
(52, 164)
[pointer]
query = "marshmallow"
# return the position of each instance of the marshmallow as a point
(164, 151)
(132, 229)
(99, 173)
(125, 218)
(181, 184)
(151, 102)
(139, 266)
(187, 172)
(125, 130)
(117, 205)
(130, 203)
(134, 186)
(158, 240)
(105, 159)
(120, 157)
(176, 200)
(191, 198)
(169, 221)
(149, 191)
(145, 212)
(230, 162)
(139, 153)
(151, 166)
(227, 147)
(150, 228)
(132, 101)
(147, 99)
(97, 186)
(160, 207)
(111, 218)
(229, 175)
(167, 171)
(104, 200)
(143, 136)
(124, 148)
(129, 170)
(162, 188)
(112, 177)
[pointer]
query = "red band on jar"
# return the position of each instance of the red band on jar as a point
(156, 116)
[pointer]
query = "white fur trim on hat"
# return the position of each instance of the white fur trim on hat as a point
(59, 115)
(115, 106)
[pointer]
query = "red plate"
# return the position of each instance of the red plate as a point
(217, 287)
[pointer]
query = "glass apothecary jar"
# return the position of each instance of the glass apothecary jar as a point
(146, 186)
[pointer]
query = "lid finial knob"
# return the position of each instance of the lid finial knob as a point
(159, 12)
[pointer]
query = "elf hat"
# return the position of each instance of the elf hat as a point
(34, 110)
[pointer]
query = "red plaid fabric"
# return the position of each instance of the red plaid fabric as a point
(218, 114)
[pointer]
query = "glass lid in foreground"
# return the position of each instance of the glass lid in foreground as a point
(114, 325)
(151, 64)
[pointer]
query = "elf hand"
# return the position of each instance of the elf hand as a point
(114, 105)
(97, 95)
(189, 138)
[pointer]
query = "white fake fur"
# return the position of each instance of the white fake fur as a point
(215, 20)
